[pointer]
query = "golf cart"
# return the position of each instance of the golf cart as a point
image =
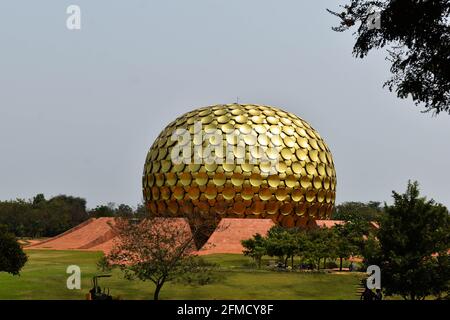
(96, 292)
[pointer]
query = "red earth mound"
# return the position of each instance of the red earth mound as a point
(86, 236)
(95, 235)
(231, 231)
(100, 235)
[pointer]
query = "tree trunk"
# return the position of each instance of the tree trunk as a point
(340, 264)
(318, 265)
(286, 261)
(292, 261)
(157, 290)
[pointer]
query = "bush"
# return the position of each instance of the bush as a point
(12, 257)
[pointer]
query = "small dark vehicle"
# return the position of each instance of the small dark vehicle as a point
(96, 292)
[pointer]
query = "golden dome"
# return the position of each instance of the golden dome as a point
(246, 161)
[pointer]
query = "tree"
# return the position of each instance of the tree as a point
(255, 248)
(103, 211)
(74, 206)
(38, 199)
(417, 35)
(158, 250)
(321, 245)
(358, 211)
(12, 257)
(39, 217)
(282, 243)
(414, 238)
(302, 243)
(125, 211)
(141, 211)
(347, 239)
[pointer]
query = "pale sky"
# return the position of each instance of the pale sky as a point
(80, 109)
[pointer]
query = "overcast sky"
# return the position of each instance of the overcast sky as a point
(80, 109)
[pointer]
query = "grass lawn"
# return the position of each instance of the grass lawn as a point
(44, 277)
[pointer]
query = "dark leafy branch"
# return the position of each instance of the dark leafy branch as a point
(416, 34)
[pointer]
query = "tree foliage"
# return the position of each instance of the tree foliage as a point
(312, 246)
(349, 240)
(12, 257)
(413, 241)
(255, 248)
(416, 34)
(358, 211)
(321, 245)
(42, 218)
(158, 250)
(281, 243)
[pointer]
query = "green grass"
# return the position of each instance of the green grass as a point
(44, 277)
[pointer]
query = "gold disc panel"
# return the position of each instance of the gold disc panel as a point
(300, 187)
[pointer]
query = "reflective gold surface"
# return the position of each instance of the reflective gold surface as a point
(302, 187)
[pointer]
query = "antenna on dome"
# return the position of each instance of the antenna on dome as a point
(237, 100)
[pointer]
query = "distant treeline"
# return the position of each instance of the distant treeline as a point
(40, 217)
(351, 210)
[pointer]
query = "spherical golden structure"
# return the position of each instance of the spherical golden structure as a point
(246, 161)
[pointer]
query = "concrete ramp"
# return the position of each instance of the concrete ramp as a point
(231, 231)
(87, 235)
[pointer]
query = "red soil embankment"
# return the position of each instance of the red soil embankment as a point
(231, 231)
(100, 235)
(87, 236)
